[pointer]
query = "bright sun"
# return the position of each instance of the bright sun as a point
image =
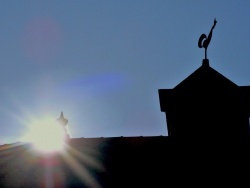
(46, 135)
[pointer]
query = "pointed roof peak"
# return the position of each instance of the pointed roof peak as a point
(205, 76)
(205, 63)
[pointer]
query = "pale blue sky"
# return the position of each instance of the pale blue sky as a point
(102, 62)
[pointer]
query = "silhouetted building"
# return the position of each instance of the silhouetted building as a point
(206, 105)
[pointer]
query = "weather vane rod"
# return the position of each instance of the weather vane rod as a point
(204, 40)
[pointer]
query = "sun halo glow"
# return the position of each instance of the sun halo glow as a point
(46, 135)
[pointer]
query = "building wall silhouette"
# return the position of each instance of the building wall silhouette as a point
(206, 105)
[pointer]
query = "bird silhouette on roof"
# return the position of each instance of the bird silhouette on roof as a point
(204, 40)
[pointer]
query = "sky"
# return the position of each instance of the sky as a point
(102, 62)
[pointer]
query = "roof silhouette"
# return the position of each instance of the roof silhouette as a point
(205, 76)
(205, 102)
(157, 161)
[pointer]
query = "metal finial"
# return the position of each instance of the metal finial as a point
(62, 120)
(204, 40)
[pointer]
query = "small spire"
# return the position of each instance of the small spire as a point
(205, 63)
(61, 116)
(62, 120)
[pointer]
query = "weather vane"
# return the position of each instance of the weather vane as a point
(204, 40)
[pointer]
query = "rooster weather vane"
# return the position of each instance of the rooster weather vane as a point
(204, 40)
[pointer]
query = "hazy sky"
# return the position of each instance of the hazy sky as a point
(102, 62)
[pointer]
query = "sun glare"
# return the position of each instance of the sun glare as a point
(46, 135)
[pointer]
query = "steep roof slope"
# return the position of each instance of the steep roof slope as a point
(205, 77)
